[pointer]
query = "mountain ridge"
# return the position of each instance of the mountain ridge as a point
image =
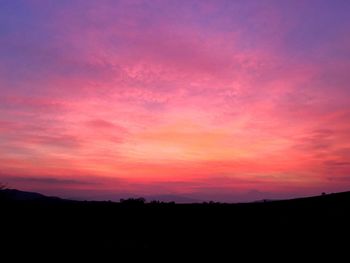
(19, 195)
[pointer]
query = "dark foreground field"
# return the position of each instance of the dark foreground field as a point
(316, 225)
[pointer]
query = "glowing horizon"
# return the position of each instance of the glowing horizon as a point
(213, 100)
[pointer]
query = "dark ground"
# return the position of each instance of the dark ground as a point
(319, 226)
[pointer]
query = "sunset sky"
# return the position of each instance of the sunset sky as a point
(209, 100)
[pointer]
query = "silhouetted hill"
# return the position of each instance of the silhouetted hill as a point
(16, 195)
(33, 223)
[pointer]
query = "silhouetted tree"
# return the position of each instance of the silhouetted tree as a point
(133, 201)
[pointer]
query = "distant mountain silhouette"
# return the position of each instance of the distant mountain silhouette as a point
(17, 195)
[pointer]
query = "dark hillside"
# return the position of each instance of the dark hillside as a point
(45, 223)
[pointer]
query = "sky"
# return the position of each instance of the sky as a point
(229, 101)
